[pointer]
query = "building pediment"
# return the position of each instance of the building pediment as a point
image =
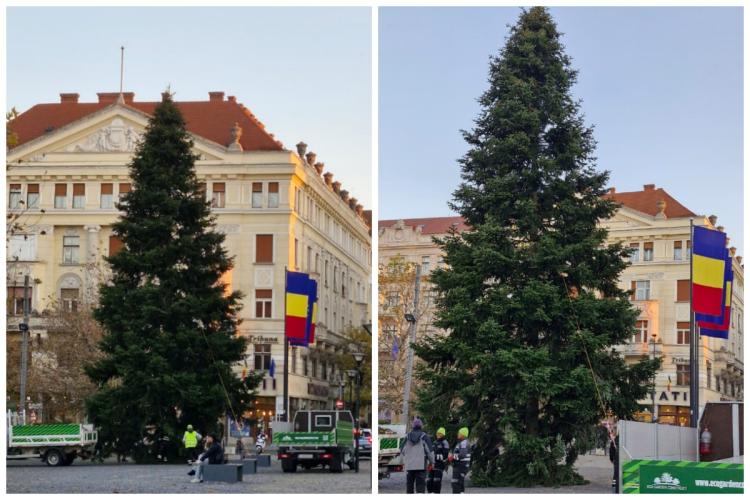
(110, 135)
(626, 218)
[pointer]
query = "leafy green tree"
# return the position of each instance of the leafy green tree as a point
(530, 296)
(170, 324)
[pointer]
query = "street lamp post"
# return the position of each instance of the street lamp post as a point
(359, 358)
(653, 389)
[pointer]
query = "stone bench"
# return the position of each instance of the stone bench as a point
(249, 465)
(228, 473)
(263, 460)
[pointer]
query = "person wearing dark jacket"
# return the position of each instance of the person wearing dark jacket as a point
(461, 460)
(418, 457)
(214, 454)
(442, 449)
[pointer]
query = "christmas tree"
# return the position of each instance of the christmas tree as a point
(170, 323)
(529, 297)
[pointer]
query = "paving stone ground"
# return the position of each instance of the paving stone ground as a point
(597, 469)
(31, 476)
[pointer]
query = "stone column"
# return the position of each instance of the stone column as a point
(90, 268)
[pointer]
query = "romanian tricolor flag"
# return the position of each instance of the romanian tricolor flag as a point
(709, 252)
(312, 317)
(702, 319)
(718, 326)
(297, 306)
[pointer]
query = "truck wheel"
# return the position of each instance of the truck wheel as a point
(288, 465)
(337, 462)
(54, 458)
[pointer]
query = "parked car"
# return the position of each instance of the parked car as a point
(365, 442)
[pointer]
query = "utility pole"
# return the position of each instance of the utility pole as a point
(24, 327)
(412, 319)
(693, 343)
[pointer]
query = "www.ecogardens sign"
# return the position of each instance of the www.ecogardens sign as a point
(666, 476)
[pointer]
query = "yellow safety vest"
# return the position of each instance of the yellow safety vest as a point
(191, 439)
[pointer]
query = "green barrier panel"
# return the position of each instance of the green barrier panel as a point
(47, 430)
(680, 476)
(303, 438)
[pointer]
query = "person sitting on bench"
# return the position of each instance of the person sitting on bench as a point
(214, 454)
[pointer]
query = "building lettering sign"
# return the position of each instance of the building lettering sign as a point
(680, 361)
(260, 339)
(676, 396)
(318, 390)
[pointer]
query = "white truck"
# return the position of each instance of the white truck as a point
(54, 444)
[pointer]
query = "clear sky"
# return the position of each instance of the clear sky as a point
(304, 72)
(662, 86)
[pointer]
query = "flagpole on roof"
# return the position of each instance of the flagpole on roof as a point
(120, 98)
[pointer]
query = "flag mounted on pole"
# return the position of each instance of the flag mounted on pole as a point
(708, 264)
(272, 369)
(297, 305)
(312, 312)
(711, 327)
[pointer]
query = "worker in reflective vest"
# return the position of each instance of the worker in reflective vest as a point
(190, 439)
(442, 450)
(461, 460)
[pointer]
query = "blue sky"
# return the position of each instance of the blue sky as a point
(304, 72)
(662, 86)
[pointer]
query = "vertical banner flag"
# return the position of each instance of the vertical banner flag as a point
(297, 299)
(709, 251)
(312, 311)
(720, 329)
(719, 320)
(272, 369)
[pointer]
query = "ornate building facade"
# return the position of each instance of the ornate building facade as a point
(657, 229)
(278, 209)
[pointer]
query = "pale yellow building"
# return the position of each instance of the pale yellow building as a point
(657, 228)
(277, 208)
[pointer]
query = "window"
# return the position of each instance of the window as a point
(708, 374)
(106, 199)
(32, 196)
(217, 196)
(61, 195)
(688, 246)
(264, 248)
(71, 245)
(683, 332)
(115, 245)
(22, 247)
(256, 200)
(392, 299)
(642, 289)
(263, 303)
(124, 189)
(273, 194)
(648, 251)
(79, 195)
(683, 290)
(69, 299)
(324, 370)
(325, 277)
(305, 371)
(425, 265)
(343, 285)
(309, 260)
(641, 332)
(718, 383)
(293, 355)
(314, 367)
(677, 250)
(322, 421)
(634, 251)
(15, 300)
(262, 356)
(335, 272)
(14, 199)
(296, 254)
(683, 374)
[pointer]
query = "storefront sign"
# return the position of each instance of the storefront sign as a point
(260, 339)
(680, 361)
(678, 396)
(318, 390)
(691, 477)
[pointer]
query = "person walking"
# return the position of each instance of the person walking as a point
(214, 454)
(239, 448)
(418, 456)
(441, 449)
(461, 460)
(190, 440)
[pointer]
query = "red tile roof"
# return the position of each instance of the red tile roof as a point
(646, 201)
(643, 201)
(212, 119)
(430, 225)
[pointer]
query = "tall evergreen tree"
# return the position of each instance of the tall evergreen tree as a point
(170, 324)
(530, 295)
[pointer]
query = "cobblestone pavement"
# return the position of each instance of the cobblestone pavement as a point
(597, 469)
(31, 476)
